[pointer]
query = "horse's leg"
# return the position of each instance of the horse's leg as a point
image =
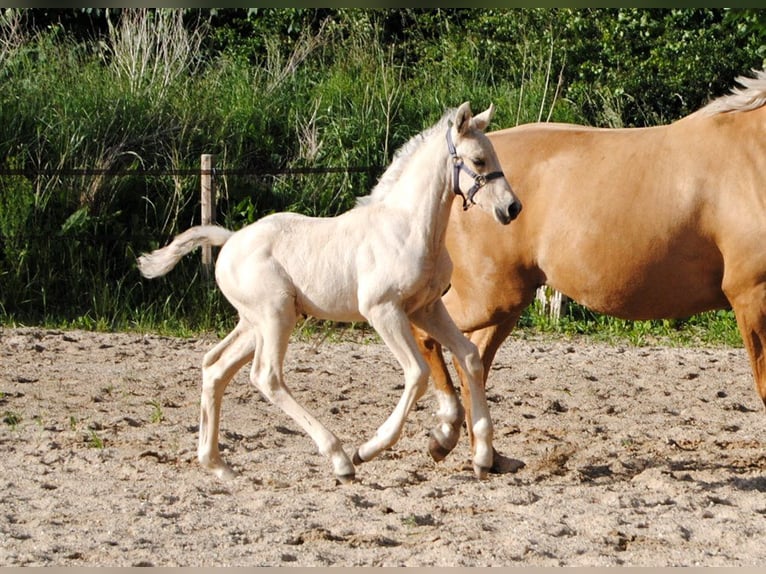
(750, 311)
(488, 340)
(393, 326)
(219, 365)
(437, 322)
(267, 374)
(451, 413)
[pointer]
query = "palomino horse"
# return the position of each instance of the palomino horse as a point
(384, 261)
(638, 223)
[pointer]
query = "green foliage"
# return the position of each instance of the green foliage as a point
(635, 67)
(268, 90)
(157, 415)
(17, 206)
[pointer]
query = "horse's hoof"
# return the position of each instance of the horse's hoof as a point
(437, 451)
(502, 464)
(356, 459)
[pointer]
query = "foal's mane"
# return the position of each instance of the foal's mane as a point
(401, 159)
(750, 96)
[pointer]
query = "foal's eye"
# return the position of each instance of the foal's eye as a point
(478, 162)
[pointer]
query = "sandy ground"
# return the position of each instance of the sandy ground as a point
(648, 456)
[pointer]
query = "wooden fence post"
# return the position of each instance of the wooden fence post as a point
(208, 208)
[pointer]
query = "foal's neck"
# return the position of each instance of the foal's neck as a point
(426, 189)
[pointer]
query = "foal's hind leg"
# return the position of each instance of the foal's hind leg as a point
(267, 374)
(219, 365)
(436, 321)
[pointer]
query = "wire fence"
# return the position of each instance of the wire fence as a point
(213, 175)
(215, 172)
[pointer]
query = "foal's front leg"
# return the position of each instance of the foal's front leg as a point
(393, 326)
(435, 320)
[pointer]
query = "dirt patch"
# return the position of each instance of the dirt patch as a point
(647, 456)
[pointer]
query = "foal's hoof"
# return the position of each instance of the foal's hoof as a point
(223, 472)
(481, 471)
(346, 478)
(356, 459)
(437, 450)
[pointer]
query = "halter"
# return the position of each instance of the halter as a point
(478, 179)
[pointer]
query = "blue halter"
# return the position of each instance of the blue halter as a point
(479, 180)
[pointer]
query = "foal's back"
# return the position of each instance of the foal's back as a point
(327, 264)
(309, 259)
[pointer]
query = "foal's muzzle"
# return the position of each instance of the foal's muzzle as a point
(506, 216)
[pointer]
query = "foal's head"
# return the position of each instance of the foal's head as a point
(477, 175)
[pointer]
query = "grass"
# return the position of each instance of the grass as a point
(157, 415)
(94, 440)
(12, 419)
(713, 328)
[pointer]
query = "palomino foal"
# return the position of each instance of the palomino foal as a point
(384, 261)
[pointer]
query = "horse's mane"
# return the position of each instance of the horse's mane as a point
(750, 96)
(401, 159)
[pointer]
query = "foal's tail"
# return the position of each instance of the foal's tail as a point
(160, 261)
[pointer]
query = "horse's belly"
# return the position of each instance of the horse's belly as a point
(638, 292)
(652, 304)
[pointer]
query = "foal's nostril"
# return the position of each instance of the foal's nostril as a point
(506, 215)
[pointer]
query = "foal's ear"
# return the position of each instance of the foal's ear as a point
(482, 120)
(463, 117)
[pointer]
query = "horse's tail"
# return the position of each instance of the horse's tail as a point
(160, 261)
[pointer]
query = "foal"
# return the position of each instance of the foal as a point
(384, 261)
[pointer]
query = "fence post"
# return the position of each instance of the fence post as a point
(208, 208)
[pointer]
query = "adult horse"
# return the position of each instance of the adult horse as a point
(638, 223)
(384, 261)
